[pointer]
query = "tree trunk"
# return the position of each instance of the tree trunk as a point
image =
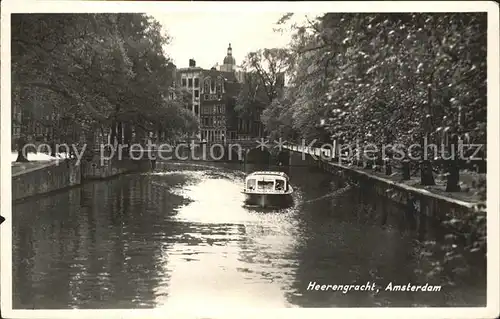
(426, 174)
(112, 138)
(453, 179)
(160, 137)
(89, 142)
(379, 162)
(368, 164)
(23, 127)
(119, 133)
(127, 134)
(388, 167)
(406, 170)
(21, 142)
(481, 167)
(55, 138)
(389, 139)
(53, 151)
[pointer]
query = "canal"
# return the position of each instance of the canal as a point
(181, 235)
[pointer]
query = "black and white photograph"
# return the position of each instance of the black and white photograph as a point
(212, 160)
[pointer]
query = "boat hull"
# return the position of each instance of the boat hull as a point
(269, 200)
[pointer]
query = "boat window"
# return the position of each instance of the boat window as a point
(280, 185)
(265, 184)
(251, 184)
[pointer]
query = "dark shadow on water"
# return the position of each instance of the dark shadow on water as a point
(119, 243)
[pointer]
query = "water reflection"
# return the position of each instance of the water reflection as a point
(182, 234)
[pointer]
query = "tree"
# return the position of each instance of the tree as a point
(362, 73)
(110, 70)
(263, 82)
(269, 65)
(52, 52)
(277, 119)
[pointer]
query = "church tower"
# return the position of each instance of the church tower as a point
(229, 61)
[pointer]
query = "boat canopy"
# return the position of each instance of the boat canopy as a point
(267, 174)
(267, 181)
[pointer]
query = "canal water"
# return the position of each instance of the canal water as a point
(181, 237)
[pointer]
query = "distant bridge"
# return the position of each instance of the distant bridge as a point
(239, 150)
(242, 150)
(244, 144)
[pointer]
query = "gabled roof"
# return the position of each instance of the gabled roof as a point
(227, 76)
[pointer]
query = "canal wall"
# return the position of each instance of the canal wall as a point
(450, 233)
(56, 176)
(423, 209)
(95, 169)
(45, 179)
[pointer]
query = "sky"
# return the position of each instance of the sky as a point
(206, 36)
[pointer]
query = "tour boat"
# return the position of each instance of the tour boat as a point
(268, 189)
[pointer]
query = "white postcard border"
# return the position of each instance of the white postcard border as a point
(493, 240)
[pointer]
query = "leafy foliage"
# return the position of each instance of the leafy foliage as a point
(263, 81)
(106, 69)
(418, 74)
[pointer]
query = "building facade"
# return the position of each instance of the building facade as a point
(189, 79)
(213, 93)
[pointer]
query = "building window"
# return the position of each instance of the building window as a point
(190, 83)
(206, 86)
(196, 83)
(196, 93)
(196, 109)
(205, 121)
(212, 86)
(184, 83)
(219, 86)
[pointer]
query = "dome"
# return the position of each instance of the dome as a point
(229, 60)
